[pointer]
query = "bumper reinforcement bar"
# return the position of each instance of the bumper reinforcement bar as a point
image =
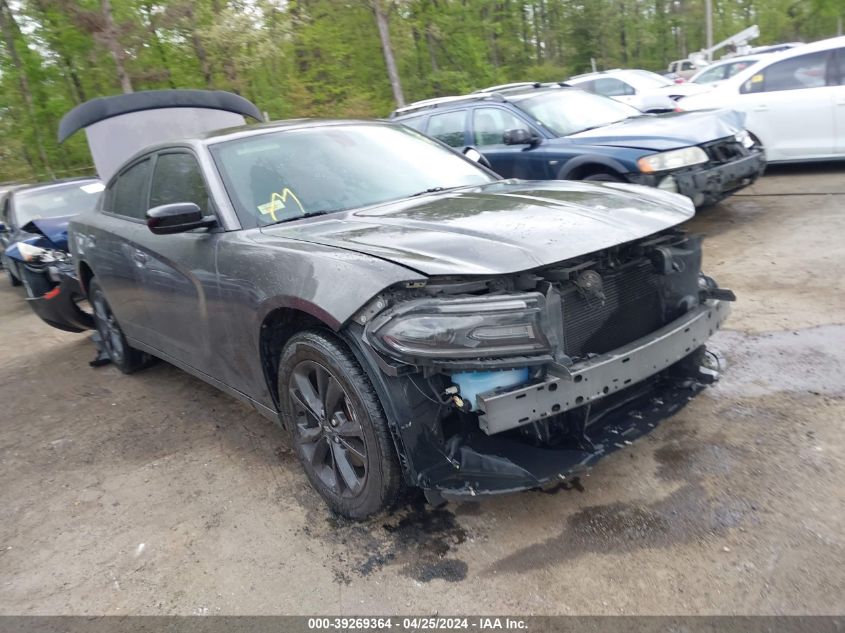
(566, 388)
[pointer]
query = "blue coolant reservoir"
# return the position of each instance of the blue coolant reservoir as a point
(472, 383)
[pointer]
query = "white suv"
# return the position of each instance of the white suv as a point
(794, 101)
(642, 89)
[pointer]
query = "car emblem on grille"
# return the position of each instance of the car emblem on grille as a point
(591, 286)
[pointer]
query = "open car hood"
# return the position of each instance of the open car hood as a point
(53, 229)
(665, 131)
(500, 228)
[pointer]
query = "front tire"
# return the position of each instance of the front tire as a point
(122, 355)
(339, 429)
(603, 177)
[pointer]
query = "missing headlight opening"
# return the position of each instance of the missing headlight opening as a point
(518, 380)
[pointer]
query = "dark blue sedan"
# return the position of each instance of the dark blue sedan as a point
(551, 131)
(36, 202)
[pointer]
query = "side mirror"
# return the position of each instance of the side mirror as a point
(177, 218)
(519, 136)
(476, 156)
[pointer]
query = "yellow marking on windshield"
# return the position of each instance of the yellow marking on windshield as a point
(277, 203)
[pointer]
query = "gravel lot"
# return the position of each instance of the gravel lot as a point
(156, 494)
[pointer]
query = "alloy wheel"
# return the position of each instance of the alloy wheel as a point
(327, 429)
(110, 334)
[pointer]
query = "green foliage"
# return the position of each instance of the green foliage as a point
(324, 57)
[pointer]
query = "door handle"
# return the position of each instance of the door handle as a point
(140, 257)
(761, 108)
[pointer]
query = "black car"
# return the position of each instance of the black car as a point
(552, 131)
(410, 317)
(39, 201)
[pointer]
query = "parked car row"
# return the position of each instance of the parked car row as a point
(555, 132)
(642, 89)
(792, 96)
(793, 101)
(413, 318)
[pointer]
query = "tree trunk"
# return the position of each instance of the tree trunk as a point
(51, 34)
(389, 61)
(199, 47)
(9, 28)
(109, 35)
(152, 29)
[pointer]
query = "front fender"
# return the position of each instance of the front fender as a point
(573, 165)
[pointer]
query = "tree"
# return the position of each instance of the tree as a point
(386, 47)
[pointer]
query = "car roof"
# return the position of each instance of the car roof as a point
(54, 183)
(502, 94)
(214, 137)
(738, 58)
(629, 73)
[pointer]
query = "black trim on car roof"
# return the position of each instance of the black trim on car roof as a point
(103, 108)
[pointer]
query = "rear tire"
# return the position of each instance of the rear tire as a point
(122, 355)
(338, 427)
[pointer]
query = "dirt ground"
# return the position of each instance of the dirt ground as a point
(156, 494)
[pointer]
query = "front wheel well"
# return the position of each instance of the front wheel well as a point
(85, 276)
(591, 169)
(276, 330)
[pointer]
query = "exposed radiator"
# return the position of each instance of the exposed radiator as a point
(631, 309)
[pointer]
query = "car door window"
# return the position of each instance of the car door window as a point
(610, 87)
(795, 73)
(737, 67)
(687, 66)
(127, 195)
(177, 178)
(717, 73)
(415, 122)
(490, 124)
(837, 68)
(448, 127)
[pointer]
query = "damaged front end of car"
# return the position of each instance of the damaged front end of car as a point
(49, 276)
(513, 382)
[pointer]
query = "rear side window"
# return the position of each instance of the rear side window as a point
(448, 127)
(610, 87)
(717, 73)
(127, 194)
(490, 125)
(796, 73)
(415, 122)
(177, 178)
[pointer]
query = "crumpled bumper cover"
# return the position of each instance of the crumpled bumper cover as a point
(708, 184)
(488, 465)
(54, 302)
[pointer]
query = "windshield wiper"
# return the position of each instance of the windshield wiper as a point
(433, 190)
(310, 214)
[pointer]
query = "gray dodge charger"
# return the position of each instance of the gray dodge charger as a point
(411, 318)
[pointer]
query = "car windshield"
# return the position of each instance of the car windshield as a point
(651, 80)
(566, 112)
(56, 200)
(290, 174)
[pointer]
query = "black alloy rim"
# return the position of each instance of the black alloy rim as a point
(328, 429)
(108, 328)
